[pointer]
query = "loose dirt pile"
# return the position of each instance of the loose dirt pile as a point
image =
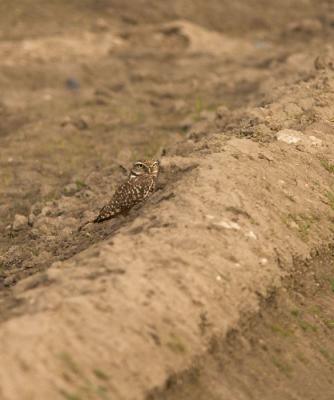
(163, 303)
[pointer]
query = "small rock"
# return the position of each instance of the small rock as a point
(325, 60)
(263, 344)
(72, 84)
(293, 225)
(251, 235)
(31, 219)
(228, 225)
(9, 281)
(289, 136)
(263, 261)
(20, 221)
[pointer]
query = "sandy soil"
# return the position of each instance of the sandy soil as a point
(221, 286)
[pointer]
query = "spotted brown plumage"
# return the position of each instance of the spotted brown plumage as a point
(137, 188)
(127, 195)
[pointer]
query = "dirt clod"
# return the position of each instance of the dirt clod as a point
(20, 222)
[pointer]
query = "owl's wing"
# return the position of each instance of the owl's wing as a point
(126, 196)
(115, 206)
(134, 191)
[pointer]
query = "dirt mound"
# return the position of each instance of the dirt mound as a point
(177, 290)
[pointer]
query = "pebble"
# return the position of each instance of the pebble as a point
(289, 136)
(251, 235)
(293, 225)
(9, 281)
(31, 219)
(228, 225)
(263, 261)
(72, 84)
(20, 221)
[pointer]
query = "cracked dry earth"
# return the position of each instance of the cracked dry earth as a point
(222, 285)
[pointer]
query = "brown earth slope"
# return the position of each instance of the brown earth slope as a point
(221, 286)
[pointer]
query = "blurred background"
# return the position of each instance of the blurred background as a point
(85, 82)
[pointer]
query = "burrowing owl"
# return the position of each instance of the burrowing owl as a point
(137, 188)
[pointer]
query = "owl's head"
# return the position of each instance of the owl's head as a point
(146, 167)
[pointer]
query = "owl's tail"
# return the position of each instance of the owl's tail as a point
(100, 218)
